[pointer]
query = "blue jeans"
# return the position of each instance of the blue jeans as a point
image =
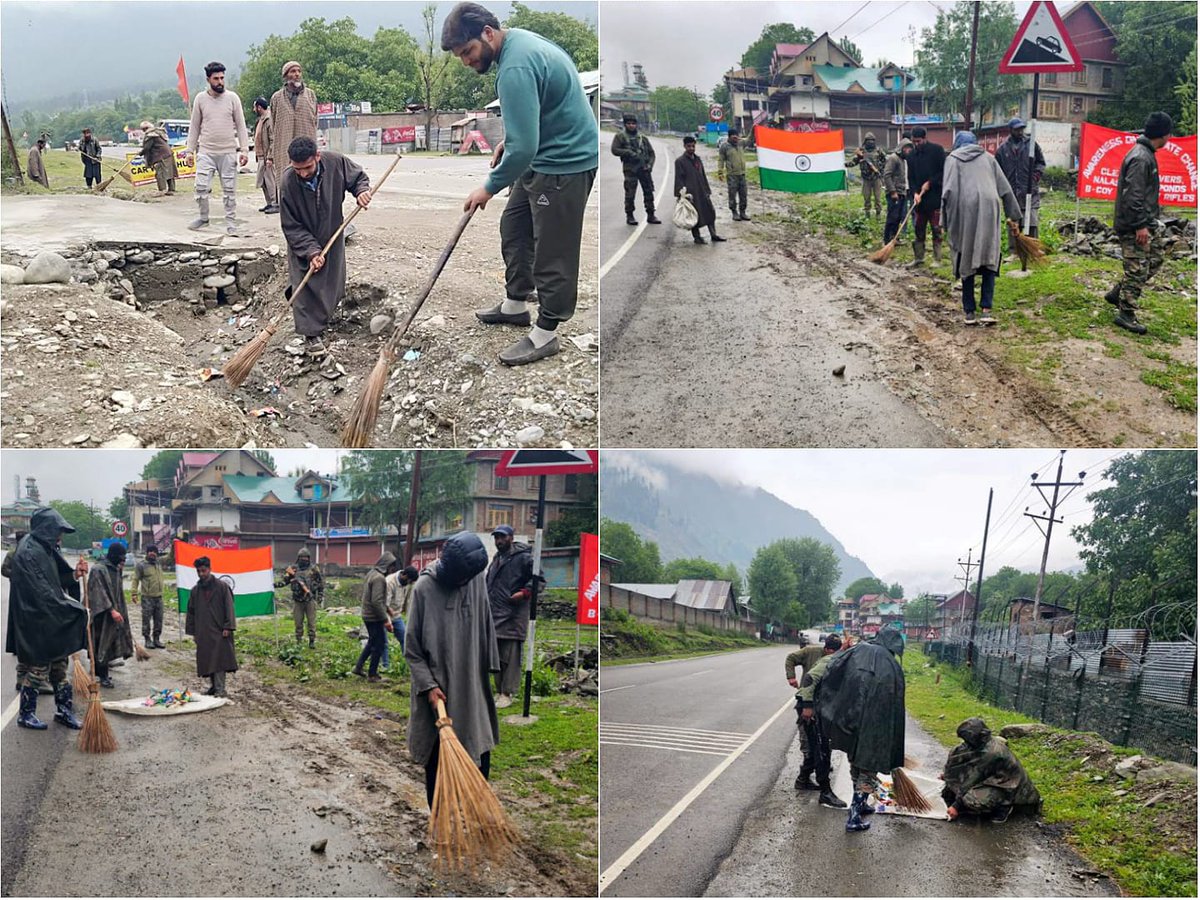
(987, 288)
(398, 631)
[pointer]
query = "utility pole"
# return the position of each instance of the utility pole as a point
(965, 578)
(414, 489)
(969, 117)
(979, 582)
(13, 159)
(1055, 499)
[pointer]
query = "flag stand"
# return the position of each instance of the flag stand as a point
(576, 649)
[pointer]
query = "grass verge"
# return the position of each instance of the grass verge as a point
(1148, 850)
(627, 640)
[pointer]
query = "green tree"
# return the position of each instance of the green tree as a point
(575, 36)
(162, 465)
(1185, 93)
(734, 577)
(565, 530)
(118, 509)
(90, 525)
(678, 108)
(851, 48)
(640, 563)
(896, 591)
(773, 587)
(434, 68)
(921, 611)
(758, 54)
(382, 480)
(1156, 40)
(266, 459)
(943, 57)
(868, 584)
(693, 568)
(817, 570)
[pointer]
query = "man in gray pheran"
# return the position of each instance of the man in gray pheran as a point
(450, 647)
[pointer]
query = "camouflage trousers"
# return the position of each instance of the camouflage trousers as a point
(865, 781)
(736, 185)
(980, 800)
(872, 188)
(53, 673)
(1141, 264)
(645, 179)
(302, 611)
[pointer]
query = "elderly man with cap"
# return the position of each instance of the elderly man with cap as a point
(691, 179)
(148, 582)
(984, 778)
(1135, 220)
(293, 114)
(637, 164)
(510, 587)
(46, 621)
(1023, 172)
(264, 147)
(158, 155)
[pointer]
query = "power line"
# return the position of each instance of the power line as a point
(894, 9)
(849, 17)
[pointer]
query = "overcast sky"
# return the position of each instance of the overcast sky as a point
(693, 44)
(97, 476)
(908, 514)
(53, 48)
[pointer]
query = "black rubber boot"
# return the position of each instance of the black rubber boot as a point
(830, 800)
(27, 715)
(716, 238)
(1114, 294)
(64, 712)
(854, 821)
(1129, 322)
(651, 218)
(804, 781)
(629, 219)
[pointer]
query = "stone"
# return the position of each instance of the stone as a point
(208, 263)
(100, 340)
(142, 257)
(123, 441)
(100, 265)
(1129, 766)
(1166, 771)
(434, 322)
(71, 316)
(118, 263)
(110, 255)
(381, 323)
(219, 281)
(189, 256)
(124, 399)
(273, 250)
(319, 845)
(48, 267)
(542, 409)
(1008, 732)
(249, 257)
(530, 434)
(230, 258)
(14, 274)
(81, 438)
(522, 403)
(126, 285)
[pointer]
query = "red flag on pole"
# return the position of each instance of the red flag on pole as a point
(183, 89)
(588, 610)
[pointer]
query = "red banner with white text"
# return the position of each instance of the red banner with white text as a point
(588, 610)
(1102, 150)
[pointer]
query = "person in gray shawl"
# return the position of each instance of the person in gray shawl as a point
(974, 195)
(111, 635)
(450, 647)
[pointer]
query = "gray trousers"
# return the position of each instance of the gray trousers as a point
(152, 613)
(264, 179)
(737, 193)
(540, 233)
(224, 165)
(218, 683)
(509, 679)
(162, 175)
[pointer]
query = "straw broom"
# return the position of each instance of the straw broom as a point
(908, 795)
(467, 825)
(1028, 249)
(79, 677)
(361, 423)
(97, 734)
(242, 363)
(884, 253)
(103, 186)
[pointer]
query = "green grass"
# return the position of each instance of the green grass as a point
(1059, 301)
(1144, 849)
(550, 765)
(65, 171)
(635, 641)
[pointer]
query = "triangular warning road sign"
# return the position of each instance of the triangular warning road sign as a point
(547, 462)
(1041, 44)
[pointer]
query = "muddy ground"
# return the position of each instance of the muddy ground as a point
(229, 803)
(738, 345)
(60, 377)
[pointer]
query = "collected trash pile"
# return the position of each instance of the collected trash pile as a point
(169, 697)
(586, 679)
(1096, 238)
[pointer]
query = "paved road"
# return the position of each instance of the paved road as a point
(666, 726)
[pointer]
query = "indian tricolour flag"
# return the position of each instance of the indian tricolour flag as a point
(800, 162)
(247, 572)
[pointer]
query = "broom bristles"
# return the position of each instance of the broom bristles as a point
(242, 363)
(884, 253)
(467, 825)
(910, 763)
(360, 426)
(97, 734)
(908, 795)
(80, 679)
(139, 652)
(1029, 250)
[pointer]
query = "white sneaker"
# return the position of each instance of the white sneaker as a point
(503, 701)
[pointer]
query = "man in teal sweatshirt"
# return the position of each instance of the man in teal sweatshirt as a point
(549, 157)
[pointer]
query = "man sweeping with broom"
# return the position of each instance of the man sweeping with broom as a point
(112, 638)
(46, 621)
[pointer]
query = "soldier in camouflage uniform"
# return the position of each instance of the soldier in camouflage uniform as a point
(1135, 220)
(870, 160)
(984, 778)
(304, 595)
(731, 162)
(637, 162)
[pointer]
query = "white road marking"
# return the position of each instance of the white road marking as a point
(10, 713)
(626, 859)
(637, 232)
(663, 747)
(740, 735)
(694, 674)
(623, 687)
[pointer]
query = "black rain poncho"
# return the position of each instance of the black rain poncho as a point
(46, 621)
(862, 703)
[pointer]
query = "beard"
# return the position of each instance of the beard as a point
(486, 57)
(296, 86)
(218, 88)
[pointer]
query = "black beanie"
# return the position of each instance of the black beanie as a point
(1158, 124)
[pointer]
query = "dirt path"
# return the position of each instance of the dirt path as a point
(228, 803)
(452, 392)
(750, 332)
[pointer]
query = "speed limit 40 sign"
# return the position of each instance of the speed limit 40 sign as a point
(120, 529)
(716, 112)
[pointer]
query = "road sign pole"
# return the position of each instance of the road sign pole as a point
(533, 593)
(1037, 77)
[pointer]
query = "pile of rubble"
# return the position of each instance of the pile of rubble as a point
(1096, 238)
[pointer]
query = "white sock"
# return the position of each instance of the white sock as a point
(512, 307)
(540, 337)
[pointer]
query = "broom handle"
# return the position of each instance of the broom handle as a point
(904, 221)
(87, 604)
(350, 218)
(390, 346)
(102, 162)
